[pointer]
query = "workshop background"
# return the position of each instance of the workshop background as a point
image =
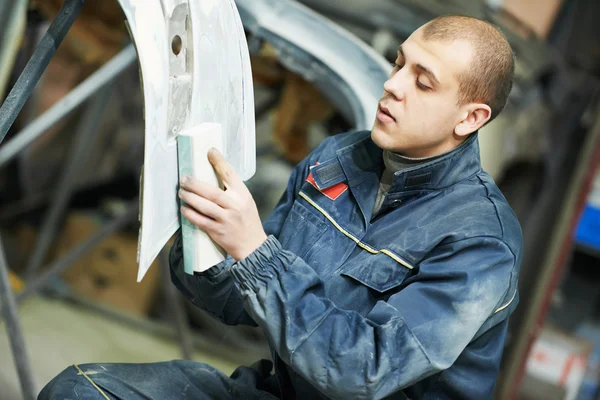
(70, 238)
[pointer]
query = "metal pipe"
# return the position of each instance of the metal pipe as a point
(13, 211)
(87, 131)
(15, 334)
(37, 64)
(59, 266)
(175, 305)
(63, 107)
(12, 25)
(4, 14)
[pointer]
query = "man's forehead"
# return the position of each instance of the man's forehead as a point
(441, 57)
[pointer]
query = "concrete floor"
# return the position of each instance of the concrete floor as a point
(58, 335)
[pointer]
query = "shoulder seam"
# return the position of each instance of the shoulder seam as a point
(487, 191)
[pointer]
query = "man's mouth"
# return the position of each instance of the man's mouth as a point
(385, 112)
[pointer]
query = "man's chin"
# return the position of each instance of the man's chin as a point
(379, 136)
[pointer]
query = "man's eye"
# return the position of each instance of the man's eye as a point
(396, 66)
(421, 86)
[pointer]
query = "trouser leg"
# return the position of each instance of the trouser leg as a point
(166, 380)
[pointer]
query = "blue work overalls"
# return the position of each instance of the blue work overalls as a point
(413, 303)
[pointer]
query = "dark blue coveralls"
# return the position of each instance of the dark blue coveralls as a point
(413, 303)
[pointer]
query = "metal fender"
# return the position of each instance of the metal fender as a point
(195, 67)
(345, 69)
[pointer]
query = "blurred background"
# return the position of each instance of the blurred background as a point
(68, 221)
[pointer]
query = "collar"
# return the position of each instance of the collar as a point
(441, 172)
(363, 159)
(361, 164)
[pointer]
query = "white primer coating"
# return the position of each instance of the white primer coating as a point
(212, 82)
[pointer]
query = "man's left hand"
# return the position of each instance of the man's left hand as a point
(229, 216)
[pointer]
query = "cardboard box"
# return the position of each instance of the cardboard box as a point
(556, 366)
(108, 272)
(537, 14)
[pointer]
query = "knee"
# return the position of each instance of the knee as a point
(66, 385)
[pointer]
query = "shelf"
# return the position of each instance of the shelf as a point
(587, 250)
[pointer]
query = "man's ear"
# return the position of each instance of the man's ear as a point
(476, 116)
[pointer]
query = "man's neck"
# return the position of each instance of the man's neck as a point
(440, 149)
(395, 163)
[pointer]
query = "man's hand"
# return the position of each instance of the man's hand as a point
(228, 216)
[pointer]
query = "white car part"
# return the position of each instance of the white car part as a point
(346, 70)
(195, 68)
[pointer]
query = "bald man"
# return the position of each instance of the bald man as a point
(389, 267)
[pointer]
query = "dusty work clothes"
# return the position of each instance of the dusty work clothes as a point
(171, 380)
(413, 303)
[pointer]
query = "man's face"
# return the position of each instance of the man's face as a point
(418, 111)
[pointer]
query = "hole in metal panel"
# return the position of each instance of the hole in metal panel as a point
(176, 45)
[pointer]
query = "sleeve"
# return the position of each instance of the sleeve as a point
(211, 290)
(214, 290)
(419, 331)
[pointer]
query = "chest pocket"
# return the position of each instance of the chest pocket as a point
(379, 272)
(301, 230)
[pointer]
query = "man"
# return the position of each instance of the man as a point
(389, 267)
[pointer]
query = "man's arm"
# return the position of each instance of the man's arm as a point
(213, 290)
(419, 331)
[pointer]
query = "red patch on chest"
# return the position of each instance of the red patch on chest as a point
(332, 192)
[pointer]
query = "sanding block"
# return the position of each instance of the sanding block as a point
(200, 252)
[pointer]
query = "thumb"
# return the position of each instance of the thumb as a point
(225, 170)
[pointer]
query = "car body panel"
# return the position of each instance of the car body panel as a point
(195, 68)
(345, 69)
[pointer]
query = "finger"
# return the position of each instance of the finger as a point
(206, 190)
(201, 204)
(224, 170)
(201, 221)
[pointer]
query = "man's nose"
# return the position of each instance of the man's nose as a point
(397, 84)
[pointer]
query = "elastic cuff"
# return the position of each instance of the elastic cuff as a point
(256, 269)
(216, 269)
